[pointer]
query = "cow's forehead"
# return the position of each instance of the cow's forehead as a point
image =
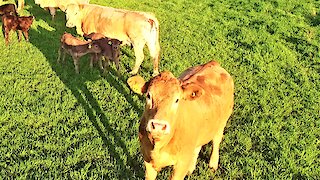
(164, 85)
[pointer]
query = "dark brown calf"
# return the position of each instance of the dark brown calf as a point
(9, 9)
(110, 49)
(21, 24)
(76, 48)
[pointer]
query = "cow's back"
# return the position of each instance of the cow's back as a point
(116, 23)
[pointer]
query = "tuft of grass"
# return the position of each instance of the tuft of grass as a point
(56, 124)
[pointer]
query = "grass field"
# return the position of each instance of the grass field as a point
(55, 124)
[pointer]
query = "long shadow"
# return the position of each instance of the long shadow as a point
(40, 38)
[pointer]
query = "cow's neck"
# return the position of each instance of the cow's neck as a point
(164, 154)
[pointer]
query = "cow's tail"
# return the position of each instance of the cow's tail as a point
(154, 30)
(153, 43)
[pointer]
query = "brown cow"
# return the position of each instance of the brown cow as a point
(181, 115)
(76, 48)
(131, 27)
(110, 49)
(21, 24)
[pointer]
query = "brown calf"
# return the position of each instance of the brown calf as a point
(110, 49)
(76, 48)
(21, 24)
(8, 9)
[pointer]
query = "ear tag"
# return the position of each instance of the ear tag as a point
(89, 46)
(109, 42)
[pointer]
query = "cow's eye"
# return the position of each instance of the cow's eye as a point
(177, 100)
(148, 96)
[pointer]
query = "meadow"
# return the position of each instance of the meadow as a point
(56, 124)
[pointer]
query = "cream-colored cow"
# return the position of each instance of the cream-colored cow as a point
(131, 27)
(51, 5)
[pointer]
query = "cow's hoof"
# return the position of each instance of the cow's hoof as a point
(155, 74)
(213, 167)
(133, 72)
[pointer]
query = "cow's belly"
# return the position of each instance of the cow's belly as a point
(114, 30)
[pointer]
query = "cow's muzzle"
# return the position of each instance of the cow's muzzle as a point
(158, 127)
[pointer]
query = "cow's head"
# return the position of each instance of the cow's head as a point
(93, 47)
(115, 45)
(73, 15)
(164, 94)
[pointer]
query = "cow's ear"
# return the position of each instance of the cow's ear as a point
(192, 91)
(137, 84)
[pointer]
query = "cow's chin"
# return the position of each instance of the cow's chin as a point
(156, 138)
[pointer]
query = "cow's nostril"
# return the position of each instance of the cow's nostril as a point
(156, 126)
(153, 126)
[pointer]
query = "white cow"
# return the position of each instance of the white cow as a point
(131, 27)
(51, 5)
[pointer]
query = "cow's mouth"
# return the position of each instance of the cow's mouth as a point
(154, 138)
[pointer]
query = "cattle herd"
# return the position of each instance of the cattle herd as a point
(181, 114)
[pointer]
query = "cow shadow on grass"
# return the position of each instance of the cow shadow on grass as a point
(47, 40)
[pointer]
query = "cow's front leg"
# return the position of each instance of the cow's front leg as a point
(150, 173)
(64, 56)
(59, 54)
(93, 59)
(180, 170)
(76, 64)
(6, 35)
(194, 160)
(138, 52)
(26, 35)
(19, 35)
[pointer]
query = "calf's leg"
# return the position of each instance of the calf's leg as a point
(105, 62)
(19, 35)
(93, 58)
(64, 56)
(6, 35)
(59, 55)
(26, 35)
(76, 64)
(117, 65)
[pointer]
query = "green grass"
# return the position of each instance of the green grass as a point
(55, 124)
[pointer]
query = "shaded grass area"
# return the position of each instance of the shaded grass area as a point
(57, 124)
